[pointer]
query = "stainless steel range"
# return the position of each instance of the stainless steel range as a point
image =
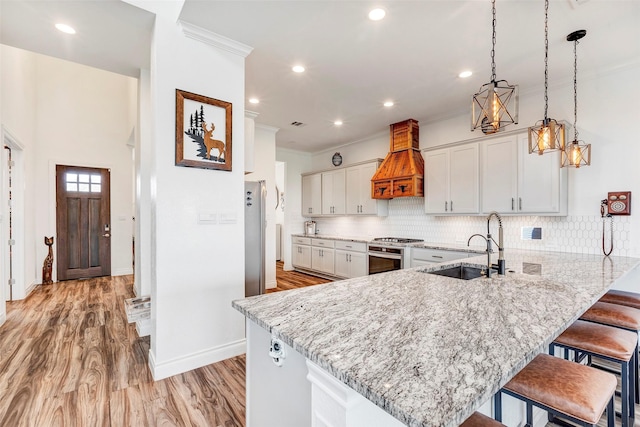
(388, 253)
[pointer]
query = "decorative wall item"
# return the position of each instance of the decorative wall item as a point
(48, 262)
(203, 132)
(336, 159)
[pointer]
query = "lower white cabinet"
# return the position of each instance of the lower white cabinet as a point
(427, 256)
(301, 252)
(350, 259)
(322, 260)
(301, 256)
(337, 258)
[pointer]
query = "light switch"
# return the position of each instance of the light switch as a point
(228, 217)
(207, 218)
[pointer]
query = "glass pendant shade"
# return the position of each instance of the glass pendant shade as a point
(492, 106)
(576, 155)
(547, 135)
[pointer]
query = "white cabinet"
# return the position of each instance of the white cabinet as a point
(322, 255)
(312, 194)
(333, 192)
(452, 181)
(327, 257)
(428, 256)
(358, 191)
(350, 259)
(516, 182)
(500, 174)
(542, 184)
(301, 252)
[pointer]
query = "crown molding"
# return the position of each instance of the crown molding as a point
(216, 40)
(267, 128)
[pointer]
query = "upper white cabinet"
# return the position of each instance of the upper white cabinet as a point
(333, 192)
(342, 191)
(516, 182)
(358, 196)
(311, 194)
(452, 181)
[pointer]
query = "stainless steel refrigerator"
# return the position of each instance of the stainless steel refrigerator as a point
(255, 223)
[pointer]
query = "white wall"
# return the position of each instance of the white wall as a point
(196, 270)
(85, 117)
(265, 169)
(65, 113)
(19, 103)
(295, 163)
(608, 113)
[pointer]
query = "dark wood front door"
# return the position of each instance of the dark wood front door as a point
(83, 222)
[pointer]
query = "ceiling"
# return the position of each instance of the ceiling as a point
(353, 65)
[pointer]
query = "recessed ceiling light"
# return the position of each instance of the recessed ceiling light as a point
(377, 14)
(65, 28)
(465, 74)
(254, 100)
(298, 69)
(338, 123)
(388, 104)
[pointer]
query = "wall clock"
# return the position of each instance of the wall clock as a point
(336, 159)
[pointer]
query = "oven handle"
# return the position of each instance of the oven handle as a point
(384, 255)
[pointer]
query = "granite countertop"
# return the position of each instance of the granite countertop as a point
(430, 349)
(427, 245)
(329, 237)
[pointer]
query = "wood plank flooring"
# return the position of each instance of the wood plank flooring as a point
(292, 279)
(68, 357)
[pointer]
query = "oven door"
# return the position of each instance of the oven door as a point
(381, 262)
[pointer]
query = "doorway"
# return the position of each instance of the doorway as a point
(12, 232)
(83, 222)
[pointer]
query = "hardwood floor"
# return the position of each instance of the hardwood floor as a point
(68, 357)
(292, 279)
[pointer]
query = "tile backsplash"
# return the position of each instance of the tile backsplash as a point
(580, 234)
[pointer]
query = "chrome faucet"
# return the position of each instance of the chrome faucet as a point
(500, 244)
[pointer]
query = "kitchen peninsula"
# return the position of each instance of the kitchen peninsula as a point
(428, 350)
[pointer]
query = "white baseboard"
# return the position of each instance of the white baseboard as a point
(30, 289)
(271, 284)
(143, 327)
(122, 272)
(195, 360)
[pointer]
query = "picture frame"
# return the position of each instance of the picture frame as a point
(203, 132)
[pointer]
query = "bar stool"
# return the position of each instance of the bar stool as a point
(588, 339)
(569, 390)
(620, 316)
(630, 299)
(480, 420)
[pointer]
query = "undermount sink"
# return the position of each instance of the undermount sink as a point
(463, 272)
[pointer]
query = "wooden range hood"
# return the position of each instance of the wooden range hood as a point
(401, 174)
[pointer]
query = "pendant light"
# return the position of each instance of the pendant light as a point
(496, 103)
(547, 135)
(576, 154)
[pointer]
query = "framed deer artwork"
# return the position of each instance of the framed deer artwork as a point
(203, 132)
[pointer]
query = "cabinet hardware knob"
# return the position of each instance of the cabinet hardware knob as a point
(446, 206)
(451, 205)
(512, 206)
(520, 203)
